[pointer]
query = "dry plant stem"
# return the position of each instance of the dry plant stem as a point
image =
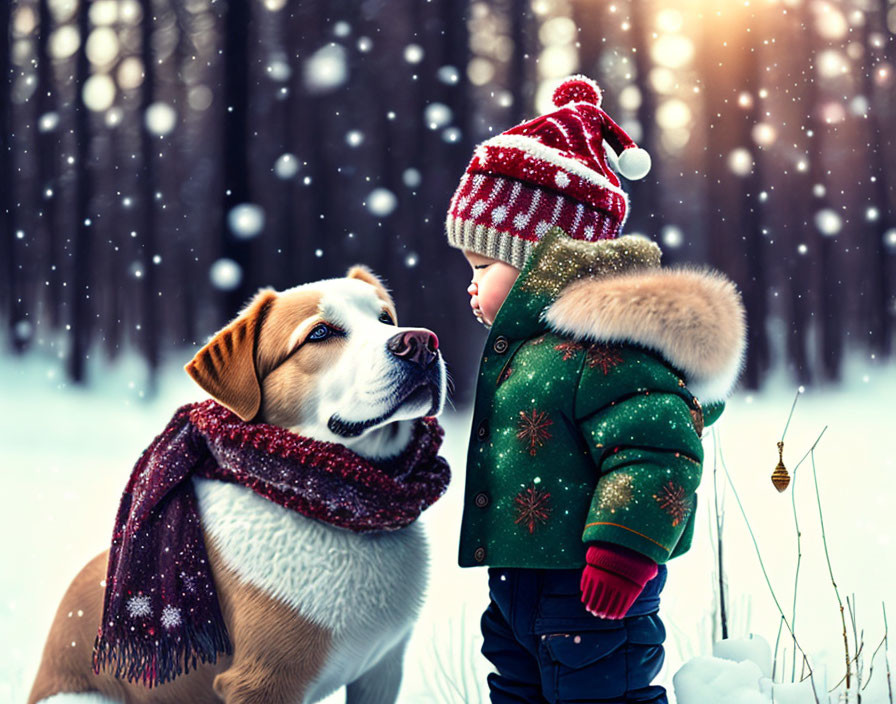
(463, 641)
(858, 642)
(723, 615)
(799, 559)
(873, 656)
(445, 676)
(853, 661)
(796, 523)
(792, 409)
(887, 654)
(827, 556)
(777, 643)
(765, 573)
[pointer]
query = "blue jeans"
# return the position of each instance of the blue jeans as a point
(546, 649)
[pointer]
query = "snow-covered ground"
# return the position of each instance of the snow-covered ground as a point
(65, 454)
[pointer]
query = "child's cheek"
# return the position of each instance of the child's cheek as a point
(491, 297)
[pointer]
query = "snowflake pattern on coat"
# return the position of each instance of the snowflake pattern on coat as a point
(533, 429)
(569, 349)
(674, 500)
(532, 508)
(604, 356)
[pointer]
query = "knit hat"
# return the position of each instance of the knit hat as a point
(549, 172)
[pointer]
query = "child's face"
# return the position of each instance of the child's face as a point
(492, 281)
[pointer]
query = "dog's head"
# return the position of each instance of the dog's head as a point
(326, 360)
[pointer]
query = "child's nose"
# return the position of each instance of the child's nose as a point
(473, 289)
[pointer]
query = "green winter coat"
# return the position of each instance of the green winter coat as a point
(598, 375)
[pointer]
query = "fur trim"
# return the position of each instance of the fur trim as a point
(693, 317)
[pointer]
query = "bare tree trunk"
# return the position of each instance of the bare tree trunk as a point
(80, 293)
(881, 320)
(521, 23)
(646, 215)
(814, 189)
(47, 156)
(589, 18)
(729, 65)
(149, 317)
(754, 282)
(238, 15)
(11, 292)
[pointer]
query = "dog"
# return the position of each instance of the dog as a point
(309, 607)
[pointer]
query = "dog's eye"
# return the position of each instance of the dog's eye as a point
(386, 318)
(319, 332)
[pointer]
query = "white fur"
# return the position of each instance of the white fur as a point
(366, 589)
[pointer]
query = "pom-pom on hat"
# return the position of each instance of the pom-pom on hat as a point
(548, 172)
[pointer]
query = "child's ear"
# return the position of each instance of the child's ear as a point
(363, 273)
(225, 367)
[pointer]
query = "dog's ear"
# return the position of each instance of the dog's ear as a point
(363, 273)
(225, 367)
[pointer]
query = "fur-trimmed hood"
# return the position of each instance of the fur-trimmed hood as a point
(692, 316)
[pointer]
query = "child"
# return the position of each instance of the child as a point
(599, 373)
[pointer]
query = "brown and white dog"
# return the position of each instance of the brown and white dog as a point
(310, 608)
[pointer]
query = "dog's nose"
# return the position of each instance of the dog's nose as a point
(417, 346)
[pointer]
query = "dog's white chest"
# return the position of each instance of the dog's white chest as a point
(365, 589)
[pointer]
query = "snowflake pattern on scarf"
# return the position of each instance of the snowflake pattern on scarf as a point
(139, 606)
(171, 617)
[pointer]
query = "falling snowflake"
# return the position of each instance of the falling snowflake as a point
(532, 508)
(569, 349)
(171, 617)
(673, 500)
(139, 606)
(533, 429)
(615, 492)
(603, 356)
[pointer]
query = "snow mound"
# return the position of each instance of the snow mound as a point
(739, 673)
(753, 648)
(703, 679)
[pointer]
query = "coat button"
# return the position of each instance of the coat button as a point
(481, 500)
(482, 430)
(479, 554)
(500, 346)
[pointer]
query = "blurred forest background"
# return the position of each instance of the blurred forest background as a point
(162, 159)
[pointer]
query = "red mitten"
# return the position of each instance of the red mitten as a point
(613, 578)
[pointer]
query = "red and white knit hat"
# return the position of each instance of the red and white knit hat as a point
(548, 172)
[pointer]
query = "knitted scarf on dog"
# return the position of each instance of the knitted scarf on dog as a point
(161, 613)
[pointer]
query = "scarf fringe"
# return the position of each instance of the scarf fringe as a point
(166, 657)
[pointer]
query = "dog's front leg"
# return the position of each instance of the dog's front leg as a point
(380, 684)
(277, 652)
